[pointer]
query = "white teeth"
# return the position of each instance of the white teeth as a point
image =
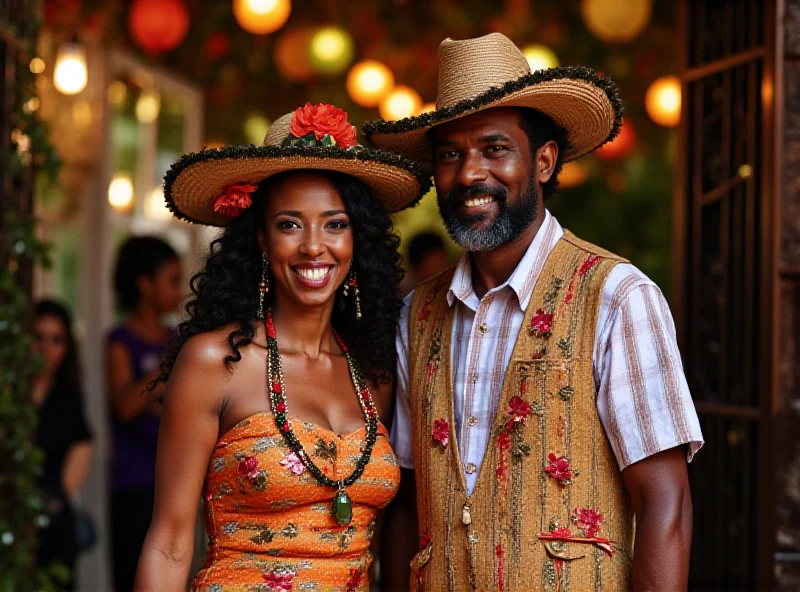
(478, 201)
(316, 273)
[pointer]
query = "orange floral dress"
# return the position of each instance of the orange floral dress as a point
(269, 520)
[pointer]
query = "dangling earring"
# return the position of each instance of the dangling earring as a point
(263, 287)
(352, 282)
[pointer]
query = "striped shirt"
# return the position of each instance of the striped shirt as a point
(642, 397)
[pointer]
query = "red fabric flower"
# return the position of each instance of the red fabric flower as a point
(279, 581)
(234, 200)
(519, 409)
(248, 467)
(424, 541)
(561, 532)
(280, 407)
(504, 441)
(588, 521)
(323, 120)
(355, 579)
(441, 432)
(558, 468)
(542, 322)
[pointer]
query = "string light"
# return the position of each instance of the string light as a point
(663, 101)
(120, 192)
(70, 75)
(368, 82)
(402, 102)
(331, 50)
(540, 57)
(261, 17)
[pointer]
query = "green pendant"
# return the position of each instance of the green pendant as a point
(342, 508)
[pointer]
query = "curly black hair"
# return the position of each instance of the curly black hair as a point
(226, 290)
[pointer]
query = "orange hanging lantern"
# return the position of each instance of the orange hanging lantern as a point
(290, 54)
(261, 17)
(620, 146)
(158, 26)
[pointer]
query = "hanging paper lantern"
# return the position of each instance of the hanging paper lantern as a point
(290, 54)
(540, 57)
(369, 82)
(158, 26)
(663, 101)
(331, 50)
(620, 146)
(120, 192)
(402, 102)
(261, 17)
(572, 174)
(616, 21)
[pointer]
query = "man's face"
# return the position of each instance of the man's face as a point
(485, 178)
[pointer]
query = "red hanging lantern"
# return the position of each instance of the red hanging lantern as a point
(158, 26)
(620, 146)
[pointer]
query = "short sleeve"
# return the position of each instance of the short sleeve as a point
(400, 436)
(643, 397)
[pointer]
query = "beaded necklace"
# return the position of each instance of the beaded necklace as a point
(342, 506)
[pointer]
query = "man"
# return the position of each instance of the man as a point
(541, 397)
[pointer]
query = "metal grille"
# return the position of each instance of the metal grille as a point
(722, 204)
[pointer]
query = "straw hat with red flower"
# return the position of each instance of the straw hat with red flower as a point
(213, 186)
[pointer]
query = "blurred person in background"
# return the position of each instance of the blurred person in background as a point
(427, 257)
(62, 435)
(148, 286)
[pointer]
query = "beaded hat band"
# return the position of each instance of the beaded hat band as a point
(212, 186)
(490, 71)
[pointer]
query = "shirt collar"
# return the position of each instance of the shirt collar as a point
(523, 278)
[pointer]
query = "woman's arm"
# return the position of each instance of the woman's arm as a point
(128, 398)
(76, 466)
(188, 434)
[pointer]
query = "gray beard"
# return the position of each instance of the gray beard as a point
(510, 223)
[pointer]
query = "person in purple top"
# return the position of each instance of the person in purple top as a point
(148, 285)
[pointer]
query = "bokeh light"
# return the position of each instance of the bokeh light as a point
(402, 102)
(663, 101)
(261, 17)
(369, 82)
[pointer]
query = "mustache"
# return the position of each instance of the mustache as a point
(462, 193)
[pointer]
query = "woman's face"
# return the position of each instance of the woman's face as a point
(307, 238)
(50, 342)
(164, 289)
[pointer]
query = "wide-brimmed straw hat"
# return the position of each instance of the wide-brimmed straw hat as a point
(490, 71)
(214, 185)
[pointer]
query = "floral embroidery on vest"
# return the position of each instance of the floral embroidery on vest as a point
(441, 433)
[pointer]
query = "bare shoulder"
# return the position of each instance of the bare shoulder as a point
(207, 350)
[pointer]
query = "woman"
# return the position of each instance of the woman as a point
(148, 285)
(62, 435)
(277, 380)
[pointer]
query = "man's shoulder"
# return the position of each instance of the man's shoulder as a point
(591, 248)
(435, 286)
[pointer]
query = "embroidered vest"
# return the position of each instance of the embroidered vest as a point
(549, 510)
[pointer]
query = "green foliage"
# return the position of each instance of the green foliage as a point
(22, 510)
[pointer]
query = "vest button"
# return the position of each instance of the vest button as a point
(471, 468)
(472, 421)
